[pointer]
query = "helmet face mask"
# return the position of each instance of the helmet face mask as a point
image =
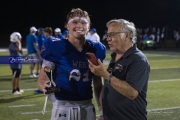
(15, 36)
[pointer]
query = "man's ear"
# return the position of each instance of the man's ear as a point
(127, 35)
(89, 27)
(67, 26)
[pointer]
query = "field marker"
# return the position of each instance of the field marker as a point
(163, 60)
(14, 106)
(168, 80)
(170, 108)
(23, 89)
(39, 112)
(158, 54)
(153, 68)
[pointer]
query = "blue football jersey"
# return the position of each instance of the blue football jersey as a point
(72, 74)
(41, 39)
(30, 40)
(59, 36)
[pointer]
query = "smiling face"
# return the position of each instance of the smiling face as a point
(77, 27)
(78, 24)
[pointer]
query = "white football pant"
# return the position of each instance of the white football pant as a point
(73, 110)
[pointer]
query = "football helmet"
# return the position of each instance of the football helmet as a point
(15, 36)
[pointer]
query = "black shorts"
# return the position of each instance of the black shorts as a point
(16, 73)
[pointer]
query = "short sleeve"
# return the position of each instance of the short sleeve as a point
(138, 73)
(46, 50)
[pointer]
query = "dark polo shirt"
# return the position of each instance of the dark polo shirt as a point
(132, 67)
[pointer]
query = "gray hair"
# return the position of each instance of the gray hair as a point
(126, 27)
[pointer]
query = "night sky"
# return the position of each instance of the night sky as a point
(20, 15)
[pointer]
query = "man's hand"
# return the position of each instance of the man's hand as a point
(48, 89)
(46, 85)
(51, 90)
(98, 70)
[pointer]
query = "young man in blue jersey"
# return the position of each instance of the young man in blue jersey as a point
(67, 59)
(41, 39)
(126, 79)
(33, 50)
(40, 36)
(15, 50)
(48, 34)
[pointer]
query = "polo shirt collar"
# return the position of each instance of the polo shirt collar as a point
(127, 53)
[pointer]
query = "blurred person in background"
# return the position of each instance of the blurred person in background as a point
(162, 38)
(15, 50)
(33, 51)
(66, 34)
(157, 38)
(40, 36)
(58, 34)
(104, 39)
(177, 38)
(92, 35)
(47, 34)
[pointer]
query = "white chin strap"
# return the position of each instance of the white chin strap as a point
(78, 18)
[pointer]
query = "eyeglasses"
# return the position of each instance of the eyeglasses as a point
(112, 34)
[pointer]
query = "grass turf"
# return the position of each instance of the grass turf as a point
(163, 98)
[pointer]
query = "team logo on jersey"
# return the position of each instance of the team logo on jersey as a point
(75, 75)
(43, 48)
(119, 67)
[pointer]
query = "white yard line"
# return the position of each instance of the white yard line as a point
(164, 60)
(23, 89)
(38, 112)
(153, 68)
(170, 108)
(15, 106)
(168, 80)
(167, 54)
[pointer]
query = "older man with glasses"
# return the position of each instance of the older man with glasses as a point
(126, 79)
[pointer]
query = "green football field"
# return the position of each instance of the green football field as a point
(163, 95)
